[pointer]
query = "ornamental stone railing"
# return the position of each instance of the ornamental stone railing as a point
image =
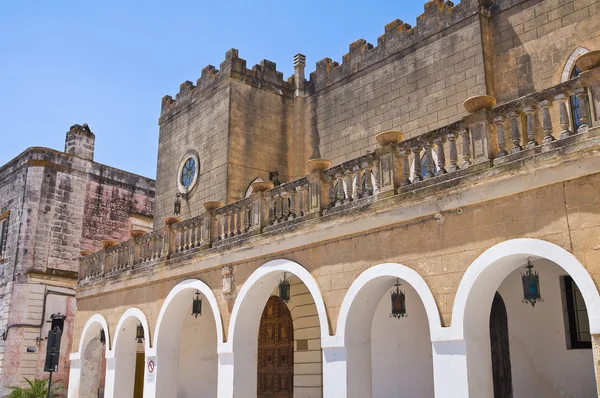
(486, 138)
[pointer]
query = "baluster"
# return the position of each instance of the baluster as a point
(581, 94)
(237, 216)
(179, 238)
(285, 205)
(339, 189)
(564, 115)
(293, 194)
(453, 151)
(546, 121)
(348, 186)
(306, 199)
(278, 208)
(404, 153)
(222, 226)
(248, 218)
(197, 233)
(188, 236)
(270, 209)
(416, 150)
(466, 147)
(441, 154)
(515, 131)
(300, 201)
(356, 186)
(229, 231)
(331, 188)
(429, 164)
(499, 121)
(367, 186)
(529, 114)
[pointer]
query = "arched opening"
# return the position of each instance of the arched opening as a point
(186, 344)
(92, 350)
(388, 356)
(543, 360)
(571, 71)
(129, 352)
(307, 311)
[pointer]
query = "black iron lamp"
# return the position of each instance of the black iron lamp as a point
(177, 204)
(197, 305)
(531, 285)
(139, 333)
(398, 302)
(102, 337)
(284, 289)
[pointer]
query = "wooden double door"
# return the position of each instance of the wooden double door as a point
(499, 343)
(275, 351)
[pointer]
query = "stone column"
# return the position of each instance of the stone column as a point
(546, 121)
(515, 131)
(466, 147)
(564, 115)
(416, 150)
(584, 120)
(453, 151)
(530, 114)
(439, 142)
(499, 121)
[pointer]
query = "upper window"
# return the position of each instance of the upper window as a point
(3, 234)
(188, 171)
(575, 102)
(576, 316)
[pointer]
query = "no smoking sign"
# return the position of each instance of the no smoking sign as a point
(151, 369)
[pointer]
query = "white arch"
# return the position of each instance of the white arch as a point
(249, 189)
(91, 327)
(272, 271)
(242, 341)
(403, 272)
(566, 73)
(133, 313)
(496, 263)
(193, 284)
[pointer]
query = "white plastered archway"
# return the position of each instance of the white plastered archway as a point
(121, 371)
(94, 325)
(245, 320)
(167, 332)
(471, 310)
(566, 73)
(356, 314)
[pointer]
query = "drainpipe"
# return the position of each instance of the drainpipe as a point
(20, 325)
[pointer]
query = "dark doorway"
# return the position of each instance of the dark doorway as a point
(499, 343)
(275, 351)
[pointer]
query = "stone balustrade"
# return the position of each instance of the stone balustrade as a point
(482, 140)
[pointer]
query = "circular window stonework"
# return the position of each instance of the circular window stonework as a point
(187, 175)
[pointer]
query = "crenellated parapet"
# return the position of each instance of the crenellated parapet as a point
(263, 75)
(398, 36)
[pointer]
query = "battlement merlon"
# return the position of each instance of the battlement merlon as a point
(438, 16)
(263, 75)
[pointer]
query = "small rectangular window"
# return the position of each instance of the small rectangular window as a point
(576, 316)
(3, 234)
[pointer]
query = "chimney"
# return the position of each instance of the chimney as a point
(80, 142)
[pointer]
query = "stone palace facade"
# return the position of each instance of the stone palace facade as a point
(419, 220)
(53, 206)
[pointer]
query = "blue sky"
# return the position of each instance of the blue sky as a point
(109, 63)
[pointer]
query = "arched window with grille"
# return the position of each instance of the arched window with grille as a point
(575, 101)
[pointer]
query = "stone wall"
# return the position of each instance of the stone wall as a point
(260, 137)
(58, 204)
(533, 40)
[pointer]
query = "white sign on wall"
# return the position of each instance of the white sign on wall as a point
(151, 369)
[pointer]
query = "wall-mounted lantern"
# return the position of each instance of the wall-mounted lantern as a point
(398, 302)
(284, 289)
(177, 204)
(102, 337)
(531, 285)
(197, 305)
(139, 333)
